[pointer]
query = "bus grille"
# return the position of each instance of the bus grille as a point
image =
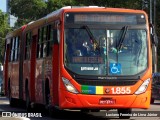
(107, 82)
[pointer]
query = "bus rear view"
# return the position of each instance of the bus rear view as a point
(106, 59)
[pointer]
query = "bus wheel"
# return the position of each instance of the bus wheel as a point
(85, 111)
(152, 100)
(28, 104)
(47, 95)
(11, 100)
(54, 112)
(121, 113)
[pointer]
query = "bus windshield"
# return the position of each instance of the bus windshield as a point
(82, 57)
(105, 43)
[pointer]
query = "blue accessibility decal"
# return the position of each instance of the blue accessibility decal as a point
(115, 68)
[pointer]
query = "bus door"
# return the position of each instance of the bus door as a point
(21, 69)
(32, 67)
(5, 71)
(55, 62)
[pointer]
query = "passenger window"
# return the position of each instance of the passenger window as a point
(27, 46)
(16, 48)
(44, 46)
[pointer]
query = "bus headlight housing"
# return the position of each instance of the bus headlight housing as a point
(69, 86)
(143, 87)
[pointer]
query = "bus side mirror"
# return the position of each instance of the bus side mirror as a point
(55, 36)
(154, 37)
(1, 68)
(56, 32)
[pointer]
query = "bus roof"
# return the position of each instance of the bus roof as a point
(16, 32)
(58, 14)
(95, 8)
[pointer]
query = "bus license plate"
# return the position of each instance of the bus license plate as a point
(107, 101)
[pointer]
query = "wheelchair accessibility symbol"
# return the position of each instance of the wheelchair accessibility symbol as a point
(115, 68)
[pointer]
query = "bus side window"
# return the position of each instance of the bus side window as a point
(49, 40)
(47, 36)
(55, 37)
(16, 48)
(56, 32)
(7, 54)
(12, 49)
(47, 46)
(27, 46)
(10, 58)
(44, 40)
(52, 38)
(38, 44)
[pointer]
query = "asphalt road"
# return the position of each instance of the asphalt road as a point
(153, 113)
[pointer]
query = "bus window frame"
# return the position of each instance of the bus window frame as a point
(57, 31)
(13, 49)
(27, 46)
(50, 39)
(17, 48)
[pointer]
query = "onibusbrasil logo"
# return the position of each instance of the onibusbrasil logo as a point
(13, 114)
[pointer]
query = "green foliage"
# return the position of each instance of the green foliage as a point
(28, 10)
(136, 4)
(4, 28)
(56, 4)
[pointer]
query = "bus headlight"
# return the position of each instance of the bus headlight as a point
(143, 87)
(69, 86)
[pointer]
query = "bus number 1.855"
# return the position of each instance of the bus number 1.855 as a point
(121, 90)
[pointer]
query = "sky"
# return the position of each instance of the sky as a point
(3, 5)
(3, 8)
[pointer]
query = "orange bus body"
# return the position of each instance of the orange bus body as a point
(43, 75)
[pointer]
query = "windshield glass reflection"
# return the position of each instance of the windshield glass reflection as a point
(83, 57)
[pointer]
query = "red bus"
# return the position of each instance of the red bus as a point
(12, 64)
(87, 58)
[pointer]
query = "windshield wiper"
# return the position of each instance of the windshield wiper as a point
(121, 40)
(92, 37)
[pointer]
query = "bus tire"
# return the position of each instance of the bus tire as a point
(54, 112)
(152, 100)
(28, 103)
(11, 100)
(47, 94)
(124, 111)
(85, 111)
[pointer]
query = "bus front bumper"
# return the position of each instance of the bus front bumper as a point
(82, 101)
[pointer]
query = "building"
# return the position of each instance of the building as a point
(11, 20)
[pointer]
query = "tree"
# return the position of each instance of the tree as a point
(53, 5)
(27, 10)
(4, 28)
